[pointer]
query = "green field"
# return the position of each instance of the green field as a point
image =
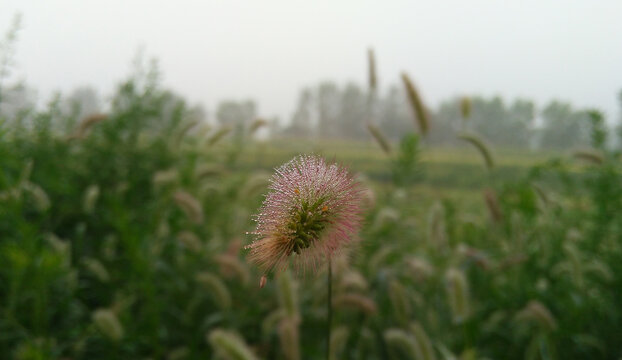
(123, 237)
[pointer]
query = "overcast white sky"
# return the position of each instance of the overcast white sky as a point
(267, 50)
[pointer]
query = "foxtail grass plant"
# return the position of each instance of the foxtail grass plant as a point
(589, 156)
(257, 124)
(425, 345)
(218, 135)
(189, 205)
(421, 113)
(229, 345)
(108, 324)
(481, 147)
(372, 94)
(312, 213)
(401, 342)
(380, 138)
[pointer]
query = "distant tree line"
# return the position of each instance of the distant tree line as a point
(328, 110)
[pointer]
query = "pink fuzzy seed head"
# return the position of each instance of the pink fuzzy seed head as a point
(313, 210)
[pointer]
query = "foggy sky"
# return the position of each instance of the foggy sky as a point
(267, 50)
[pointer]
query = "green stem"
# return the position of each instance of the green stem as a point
(329, 307)
(466, 335)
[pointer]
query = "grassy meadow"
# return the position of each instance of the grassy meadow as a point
(122, 237)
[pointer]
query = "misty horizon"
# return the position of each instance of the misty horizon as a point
(539, 51)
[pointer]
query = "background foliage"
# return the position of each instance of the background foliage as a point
(122, 234)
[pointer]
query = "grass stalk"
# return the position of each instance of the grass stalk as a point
(329, 306)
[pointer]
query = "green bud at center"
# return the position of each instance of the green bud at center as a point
(307, 223)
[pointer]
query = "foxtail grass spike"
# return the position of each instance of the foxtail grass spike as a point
(492, 203)
(209, 170)
(379, 258)
(369, 199)
(254, 184)
(423, 340)
(400, 301)
(164, 177)
(235, 245)
(471, 354)
(458, 295)
(445, 352)
(380, 138)
(217, 289)
(271, 321)
(601, 269)
(480, 146)
(189, 205)
(536, 311)
(353, 280)
(86, 124)
(90, 198)
(355, 301)
(386, 216)
(465, 107)
(229, 345)
(421, 114)
(190, 241)
(591, 156)
(231, 266)
(421, 268)
(39, 196)
(373, 78)
(218, 135)
(62, 247)
(365, 344)
(338, 340)
(24, 175)
(97, 269)
(108, 324)
(401, 342)
(542, 195)
(437, 231)
(256, 125)
(203, 129)
(184, 130)
(59, 245)
(311, 213)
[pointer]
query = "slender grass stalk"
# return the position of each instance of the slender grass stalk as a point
(329, 306)
(373, 78)
(288, 297)
(465, 107)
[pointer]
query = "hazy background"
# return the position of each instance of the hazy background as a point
(491, 182)
(268, 50)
